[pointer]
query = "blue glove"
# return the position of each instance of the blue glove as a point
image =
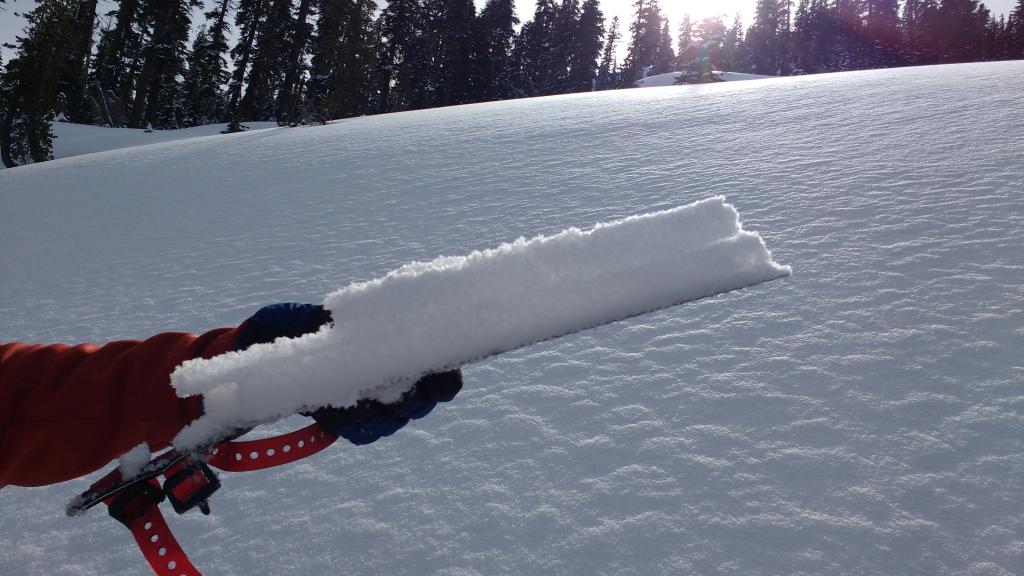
(369, 420)
(277, 320)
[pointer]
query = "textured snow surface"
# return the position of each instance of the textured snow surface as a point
(861, 417)
(428, 316)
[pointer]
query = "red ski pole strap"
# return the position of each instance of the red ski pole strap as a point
(188, 483)
(246, 455)
(140, 512)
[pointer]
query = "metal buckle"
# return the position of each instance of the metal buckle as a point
(191, 486)
(134, 501)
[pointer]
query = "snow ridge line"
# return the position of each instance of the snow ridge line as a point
(428, 316)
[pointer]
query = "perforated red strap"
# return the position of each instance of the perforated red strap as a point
(158, 545)
(246, 455)
(140, 511)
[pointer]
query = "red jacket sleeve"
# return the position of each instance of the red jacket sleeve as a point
(66, 411)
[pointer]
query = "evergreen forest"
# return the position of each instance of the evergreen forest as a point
(155, 64)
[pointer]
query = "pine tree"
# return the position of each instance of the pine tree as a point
(267, 70)
(202, 90)
(31, 82)
(247, 20)
(919, 19)
(607, 74)
(684, 53)
(733, 48)
(587, 44)
(297, 43)
(75, 86)
(456, 86)
(428, 58)
(563, 41)
(664, 56)
(493, 54)
(533, 50)
(157, 90)
(343, 65)
(883, 23)
(763, 38)
(400, 41)
(203, 97)
(960, 28)
(646, 39)
(118, 56)
(1015, 32)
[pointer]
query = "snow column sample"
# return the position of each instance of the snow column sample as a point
(429, 316)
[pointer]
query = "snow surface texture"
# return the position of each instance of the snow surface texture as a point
(430, 316)
(861, 417)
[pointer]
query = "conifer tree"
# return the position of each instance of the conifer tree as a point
(400, 24)
(883, 22)
(456, 86)
(646, 38)
(118, 56)
(607, 74)
(684, 54)
(343, 63)
(266, 73)
(763, 38)
(297, 43)
(430, 59)
(919, 20)
(203, 97)
(533, 49)
(157, 90)
(75, 87)
(493, 54)
(664, 56)
(961, 25)
(248, 18)
(1015, 32)
(29, 84)
(587, 43)
(563, 41)
(203, 94)
(733, 48)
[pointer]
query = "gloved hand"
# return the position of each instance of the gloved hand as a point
(289, 319)
(368, 420)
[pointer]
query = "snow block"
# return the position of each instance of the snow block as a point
(429, 316)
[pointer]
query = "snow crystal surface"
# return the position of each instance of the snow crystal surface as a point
(863, 416)
(429, 316)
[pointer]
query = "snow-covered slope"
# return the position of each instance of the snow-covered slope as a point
(862, 416)
(77, 139)
(669, 79)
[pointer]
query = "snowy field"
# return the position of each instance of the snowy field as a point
(862, 416)
(77, 139)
